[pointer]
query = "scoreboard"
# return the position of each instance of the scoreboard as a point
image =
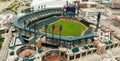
(70, 10)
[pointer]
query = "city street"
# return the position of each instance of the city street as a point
(5, 46)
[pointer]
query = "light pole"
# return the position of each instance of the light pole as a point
(97, 26)
(98, 21)
(60, 33)
(35, 30)
(53, 27)
(29, 31)
(29, 28)
(46, 26)
(24, 26)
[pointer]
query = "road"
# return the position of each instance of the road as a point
(6, 5)
(5, 46)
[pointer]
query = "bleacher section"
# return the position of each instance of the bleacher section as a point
(34, 17)
(45, 22)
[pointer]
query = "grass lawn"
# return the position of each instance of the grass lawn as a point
(69, 28)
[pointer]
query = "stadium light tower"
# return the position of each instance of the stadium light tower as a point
(46, 26)
(30, 31)
(60, 32)
(67, 3)
(29, 28)
(98, 20)
(35, 30)
(24, 26)
(53, 27)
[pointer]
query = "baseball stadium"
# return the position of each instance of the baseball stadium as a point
(34, 24)
(54, 34)
(72, 29)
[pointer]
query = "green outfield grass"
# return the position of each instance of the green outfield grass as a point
(69, 28)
